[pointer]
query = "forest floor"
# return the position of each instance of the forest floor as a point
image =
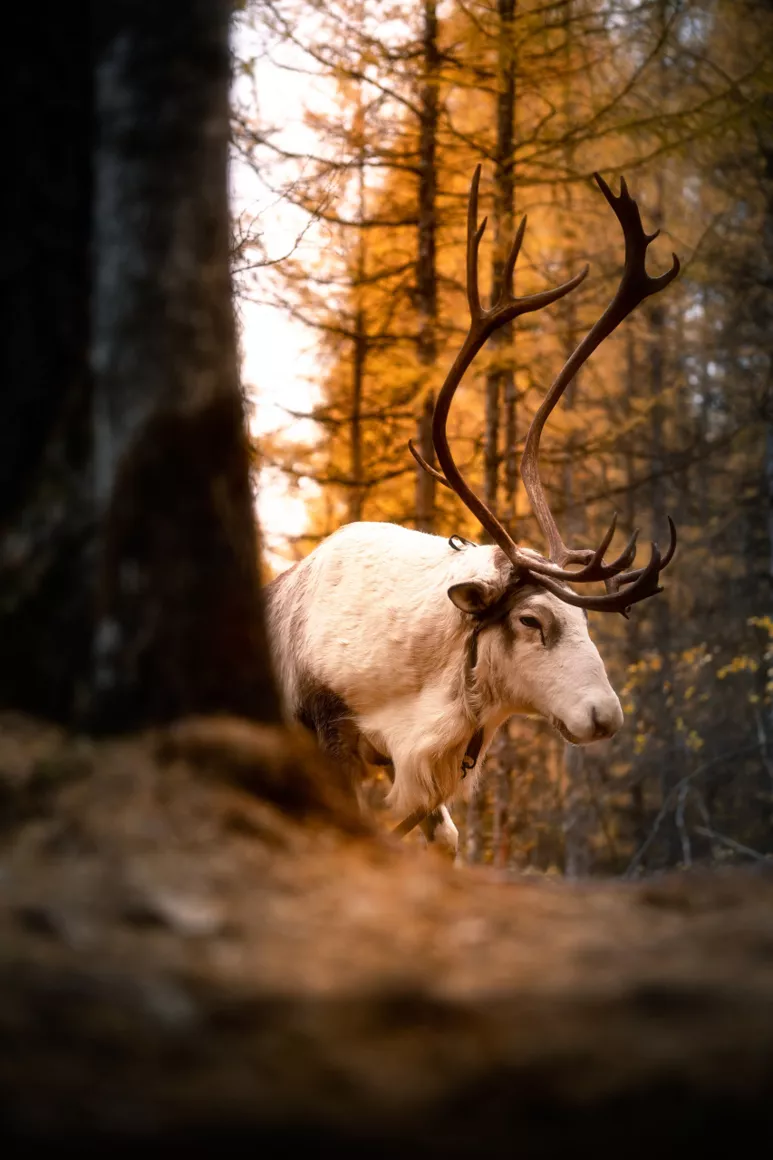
(181, 960)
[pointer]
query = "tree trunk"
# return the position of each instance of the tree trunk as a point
(509, 506)
(425, 483)
(355, 495)
(668, 761)
(576, 823)
(147, 584)
(502, 794)
(765, 136)
(360, 352)
(633, 635)
(474, 844)
(500, 377)
(46, 502)
(426, 259)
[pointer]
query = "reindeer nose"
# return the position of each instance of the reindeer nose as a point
(606, 722)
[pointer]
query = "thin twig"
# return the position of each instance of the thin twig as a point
(684, 837)
(699, 771)
(731, 844)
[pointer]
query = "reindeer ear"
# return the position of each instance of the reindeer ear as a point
(472, 596)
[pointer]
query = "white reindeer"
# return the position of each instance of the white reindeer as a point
(409, 650)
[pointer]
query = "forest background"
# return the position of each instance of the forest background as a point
(359, 160)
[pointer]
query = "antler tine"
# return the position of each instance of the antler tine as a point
(483, 323)
(635, 285)
(628, 553)
(636, 282)
(618, 582)
(672, 545)
(474, 234)
(643, 586)
(430, 470)
(623, 588)
(596, 569)
(512, 258)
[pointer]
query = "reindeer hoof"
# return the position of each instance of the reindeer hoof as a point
(446, 839)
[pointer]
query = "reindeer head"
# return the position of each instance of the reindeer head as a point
(530, 652)
(560, 674)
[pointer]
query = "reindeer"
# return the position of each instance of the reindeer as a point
(408, 650)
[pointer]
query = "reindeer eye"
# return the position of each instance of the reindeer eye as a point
(531, 622)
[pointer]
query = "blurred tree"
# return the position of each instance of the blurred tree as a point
(130, 589)
(46, 507)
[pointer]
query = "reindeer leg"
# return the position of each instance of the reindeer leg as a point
(439, 830)
(437, 827)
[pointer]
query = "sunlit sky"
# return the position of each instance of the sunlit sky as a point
(278, 355)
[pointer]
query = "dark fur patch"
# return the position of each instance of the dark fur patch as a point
(431, 823)
(506, 570)
(552, 629)
(320, 709)
(327, 715)
(551, 625)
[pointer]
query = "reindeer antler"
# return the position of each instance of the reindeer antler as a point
(483, 323)
(624, 588)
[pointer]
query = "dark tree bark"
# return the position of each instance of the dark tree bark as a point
(426, 258)
(130, 584)
(500, 381)
(425, 483)
(670, 763)
(356, 491)
(633, 635)
(46, 517)
(473, 824)
(576, 823)
(765, 140)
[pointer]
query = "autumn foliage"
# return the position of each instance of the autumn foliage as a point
(672, 416)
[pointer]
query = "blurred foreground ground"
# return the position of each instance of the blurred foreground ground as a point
(182, 962)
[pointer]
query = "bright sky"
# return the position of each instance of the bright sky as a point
(278, 357)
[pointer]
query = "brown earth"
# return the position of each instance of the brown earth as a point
(198, 945)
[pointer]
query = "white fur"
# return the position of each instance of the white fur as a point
(367, 615)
